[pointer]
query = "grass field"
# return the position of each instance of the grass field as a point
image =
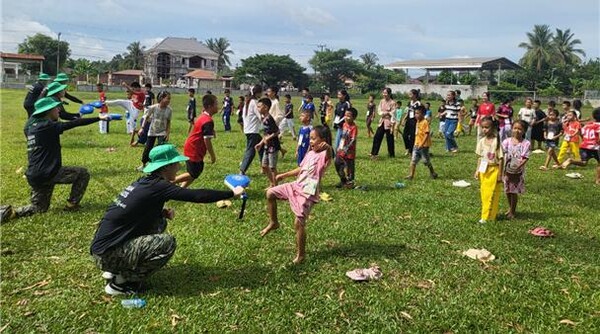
(224, 278)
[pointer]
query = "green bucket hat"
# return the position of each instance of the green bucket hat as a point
(163, 155)
(43, 76)
(60, 77)
(55, 87)
(45, 104)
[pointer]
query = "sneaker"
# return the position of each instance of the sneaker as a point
(349, 185)
(7, 213)
(482, 221)
(115, 289)
(71, 207)
(107, 275)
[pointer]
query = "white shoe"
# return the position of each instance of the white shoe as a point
(107, 275)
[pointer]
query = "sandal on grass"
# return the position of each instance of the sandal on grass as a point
(541, 232)
(543, 168)
(361, 275)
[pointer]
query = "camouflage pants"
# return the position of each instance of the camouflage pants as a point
(42, 194)
(138, 258)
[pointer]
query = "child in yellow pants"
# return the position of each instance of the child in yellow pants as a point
(572, 133)
(489, 170)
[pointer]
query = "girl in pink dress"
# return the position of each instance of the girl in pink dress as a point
(304, 192)
(516, 154)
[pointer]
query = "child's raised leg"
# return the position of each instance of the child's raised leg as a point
(300, 241)
(272, 211)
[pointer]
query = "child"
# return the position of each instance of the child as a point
(441, 114)
(191, 109)
(240, 112)
(160, 127)
(288, 121)
(304, 192)
(505, 116)
(516, 154)
(346, 152)
(148, 96)
(310, 107)
(590, 146)
(571, 131)
(473, 114)
(323, 109)
(397, 129)
(133, 105)
(527, 114)
(552, 132)
(422, 145)
(489, 169)
(537, 131)
(102, 125)
(303, 136)
(329, 109)
(270, 141)
(199, 142)
(428, 113)
(227, 108)
(370, 115)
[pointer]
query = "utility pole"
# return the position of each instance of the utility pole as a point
(322, 46)
(58, 55)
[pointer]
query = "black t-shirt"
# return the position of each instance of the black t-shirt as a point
(148, 98)
(134, 212)
(552, 129)
(43, 147)
(340, 111)
(33, 94)
(270, 127)
(289, 111)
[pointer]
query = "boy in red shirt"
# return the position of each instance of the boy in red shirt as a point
(590, 145)
(346, 151)
(102, 125)
(571, 130)
(133, 107)
(199, 142)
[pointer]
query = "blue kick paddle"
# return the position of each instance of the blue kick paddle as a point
(86, 109)
(235, 180)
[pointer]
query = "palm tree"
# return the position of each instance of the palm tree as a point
(134, 57)
(540, 50)
(369, 59)
(221, 47)
(565, 46)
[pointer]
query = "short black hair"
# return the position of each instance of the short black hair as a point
(288, 96)
(266, 101)
(192, 90)
(353, 111)
(148, 85)
(135, 84)
(208, 101)
(596, 114)
(309, 97)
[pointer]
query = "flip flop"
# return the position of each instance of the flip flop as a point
(574, 176)
(223, 204)
(362, 275)
(482, 255)
(541, 232)
(543, 168)
(461, 184)
(325, 197)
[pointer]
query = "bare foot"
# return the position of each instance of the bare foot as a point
(509, 215)
(269, 228)
(299, 259)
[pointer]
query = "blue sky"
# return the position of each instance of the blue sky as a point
(392, 29)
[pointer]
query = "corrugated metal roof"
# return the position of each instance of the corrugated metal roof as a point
(21, 56)
(480, 63)
(185, 46)
(130, 72)
(202, 74)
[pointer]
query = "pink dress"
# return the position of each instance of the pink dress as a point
(515, 153)
(303, 192)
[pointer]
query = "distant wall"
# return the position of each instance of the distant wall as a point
(466, 90)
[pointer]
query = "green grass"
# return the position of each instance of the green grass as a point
(224, 278)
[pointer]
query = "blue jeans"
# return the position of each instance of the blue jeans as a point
(451, 125)
(226, 120)
(251, 140)
(338, 137)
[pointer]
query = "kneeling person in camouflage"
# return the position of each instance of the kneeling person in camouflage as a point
(130, 243)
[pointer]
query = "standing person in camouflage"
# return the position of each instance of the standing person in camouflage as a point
(129, 244)
(34, 93)
(45, 168)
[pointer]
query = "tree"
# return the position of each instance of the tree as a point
(117, 63)
(565, 47)
(220, 46)
(81, 67)
(447, 77)
(335, 66)
(375, 79)
(48, 47)
(134, 57)
(540, 50)
(369, 60)
(270, 70)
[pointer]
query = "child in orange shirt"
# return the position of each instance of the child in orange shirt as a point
(422, 144)
(571, 130)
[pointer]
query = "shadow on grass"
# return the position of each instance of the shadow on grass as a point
(193, 279)
(368, 250)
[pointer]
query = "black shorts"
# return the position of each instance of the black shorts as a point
(194, 168)
(589, 154)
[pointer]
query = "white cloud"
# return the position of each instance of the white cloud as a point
(15, 30)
